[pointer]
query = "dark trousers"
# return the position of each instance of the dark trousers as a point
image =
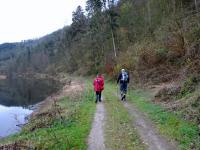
(123, 90)
(123, 87)
(98, 96)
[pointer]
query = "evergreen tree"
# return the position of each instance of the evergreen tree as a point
(79, 21)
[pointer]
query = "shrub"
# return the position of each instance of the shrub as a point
(189, 86)
(151, 53)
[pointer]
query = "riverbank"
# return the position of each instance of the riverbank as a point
(70, 88)
(40, 107)
(62, 121)
(61, 77)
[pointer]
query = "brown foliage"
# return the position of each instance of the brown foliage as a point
(159, 74)
(18, 145)
(193, 51)
(175, 43)
(45, 119)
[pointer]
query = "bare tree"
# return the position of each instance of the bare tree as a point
(149, 11)
(195, 4)
(110, 5)
(174, 6)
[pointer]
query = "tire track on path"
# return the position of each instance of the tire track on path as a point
(96, 137)
(147, 131)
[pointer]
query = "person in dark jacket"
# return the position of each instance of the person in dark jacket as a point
(123, 79)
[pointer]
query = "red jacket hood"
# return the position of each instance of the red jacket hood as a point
(98, 83)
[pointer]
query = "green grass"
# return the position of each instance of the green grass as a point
(119, 131)
(68, 134)
(169, 124)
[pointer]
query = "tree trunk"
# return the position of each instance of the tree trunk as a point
(174, 6)
(195, 4)
(114, 45)
(149, 11)
(112, 33)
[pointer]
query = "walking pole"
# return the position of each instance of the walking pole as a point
(119, 92)
(117, 89)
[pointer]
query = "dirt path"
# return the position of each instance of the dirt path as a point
(96, 137)
(147, 131)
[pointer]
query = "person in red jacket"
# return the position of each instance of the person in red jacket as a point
(98, 87)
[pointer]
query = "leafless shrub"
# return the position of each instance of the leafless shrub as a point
(18, 145)
(166, 93)
(57, 109)
(46, 119)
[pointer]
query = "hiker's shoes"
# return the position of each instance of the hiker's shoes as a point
(98, 101)
(123, 98)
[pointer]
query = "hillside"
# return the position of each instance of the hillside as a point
(151, 35)
(27, 54)
(157, 41)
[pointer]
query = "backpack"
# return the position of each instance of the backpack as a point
(124, 77)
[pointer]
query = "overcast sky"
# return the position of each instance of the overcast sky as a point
(28, 19)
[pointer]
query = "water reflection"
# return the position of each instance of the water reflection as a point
(25, 92)
(10, 117)
(15, 97)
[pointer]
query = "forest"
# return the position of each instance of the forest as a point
(152, 39)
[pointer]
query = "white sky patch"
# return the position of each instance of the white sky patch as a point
(28, 19)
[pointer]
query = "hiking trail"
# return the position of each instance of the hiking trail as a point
(147, 132)
(145, 128)
(96, 137)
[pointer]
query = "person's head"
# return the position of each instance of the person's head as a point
(98, 75)
(123, 70)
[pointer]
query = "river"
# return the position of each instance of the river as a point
(17, 96)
